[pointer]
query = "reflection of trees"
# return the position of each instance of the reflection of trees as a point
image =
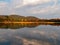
(16, 26)
(22, 25)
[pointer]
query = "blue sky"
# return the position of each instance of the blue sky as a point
(38, 8)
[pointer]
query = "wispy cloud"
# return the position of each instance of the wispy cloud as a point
(49, 9)
(3, 4)
(29, 2)
(35, 1)
(3, 7)
(30, 7)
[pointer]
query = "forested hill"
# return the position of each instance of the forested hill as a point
(18, 18)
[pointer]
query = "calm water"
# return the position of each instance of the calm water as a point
(39, 35)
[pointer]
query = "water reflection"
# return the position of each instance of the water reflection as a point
(22, 25)
(34, 34)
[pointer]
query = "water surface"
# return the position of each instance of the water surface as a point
(30, 35)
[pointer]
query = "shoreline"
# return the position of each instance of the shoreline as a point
(29, 22)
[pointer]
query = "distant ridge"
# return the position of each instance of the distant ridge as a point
(19, 18)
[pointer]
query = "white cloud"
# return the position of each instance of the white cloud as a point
(16, 3)
(33, 2)
(49, 9)
(26, 2)
(15, 6)
(19, 3)
(3, 4)
(3, 7)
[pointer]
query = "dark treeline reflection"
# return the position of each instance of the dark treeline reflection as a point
(22, 25)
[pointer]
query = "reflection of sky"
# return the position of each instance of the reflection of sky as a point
(38, 8)
(40, 33)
